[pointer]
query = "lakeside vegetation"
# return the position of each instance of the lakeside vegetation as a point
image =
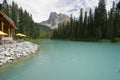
(98, 25)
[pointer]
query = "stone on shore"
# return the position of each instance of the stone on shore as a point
(10, 52)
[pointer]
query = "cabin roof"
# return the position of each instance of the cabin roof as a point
(10, 21)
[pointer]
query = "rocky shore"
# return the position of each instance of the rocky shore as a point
(10, 52)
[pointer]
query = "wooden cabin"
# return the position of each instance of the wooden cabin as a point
(6, 26)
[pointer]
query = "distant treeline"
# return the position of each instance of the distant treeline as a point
(45, 31)
(91, 26)
(22, 19)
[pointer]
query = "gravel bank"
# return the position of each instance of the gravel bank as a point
(10, 52)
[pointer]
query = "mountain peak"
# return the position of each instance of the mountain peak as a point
(55, 19)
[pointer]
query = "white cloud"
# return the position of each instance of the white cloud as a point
(110, 3)
(0, 1)
(40, 9)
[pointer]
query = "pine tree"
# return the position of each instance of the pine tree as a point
(85, 28)
(80, 24)
(5, 8)
(94, 27)
(110, 23)
(22, 19)
(91, 28)
(14, 12)
(102, 17)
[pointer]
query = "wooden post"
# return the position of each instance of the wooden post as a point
(2, 24)
(9, 32)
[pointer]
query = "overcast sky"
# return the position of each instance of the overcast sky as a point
(40, 9)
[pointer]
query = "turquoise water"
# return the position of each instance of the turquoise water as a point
(66, 60)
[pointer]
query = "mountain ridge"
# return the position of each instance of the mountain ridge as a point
(55, 19)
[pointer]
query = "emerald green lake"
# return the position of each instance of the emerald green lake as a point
(67, 60)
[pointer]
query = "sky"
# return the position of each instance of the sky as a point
(41, 9)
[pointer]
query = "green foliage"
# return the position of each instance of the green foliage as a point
(23, 20)
(45, 32)
(93, 26)
(116, 39)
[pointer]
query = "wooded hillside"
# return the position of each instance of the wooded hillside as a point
(22, 19)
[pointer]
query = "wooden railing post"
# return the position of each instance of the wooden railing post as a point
(2, 25)
(9, 33)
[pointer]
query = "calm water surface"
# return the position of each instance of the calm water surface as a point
(66, 60)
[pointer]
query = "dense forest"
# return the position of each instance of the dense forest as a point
(22, 19)
(96, 25)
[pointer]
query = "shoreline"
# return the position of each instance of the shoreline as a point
(14, 51)
(101, 41)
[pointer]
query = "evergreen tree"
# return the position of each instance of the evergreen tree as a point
(85, 29)
(102, 18)
(80, 24)
(22, 19)
(91, 27)
(94, 27)
(110, 31)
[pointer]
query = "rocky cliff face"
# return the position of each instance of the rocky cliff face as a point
(55, 19)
